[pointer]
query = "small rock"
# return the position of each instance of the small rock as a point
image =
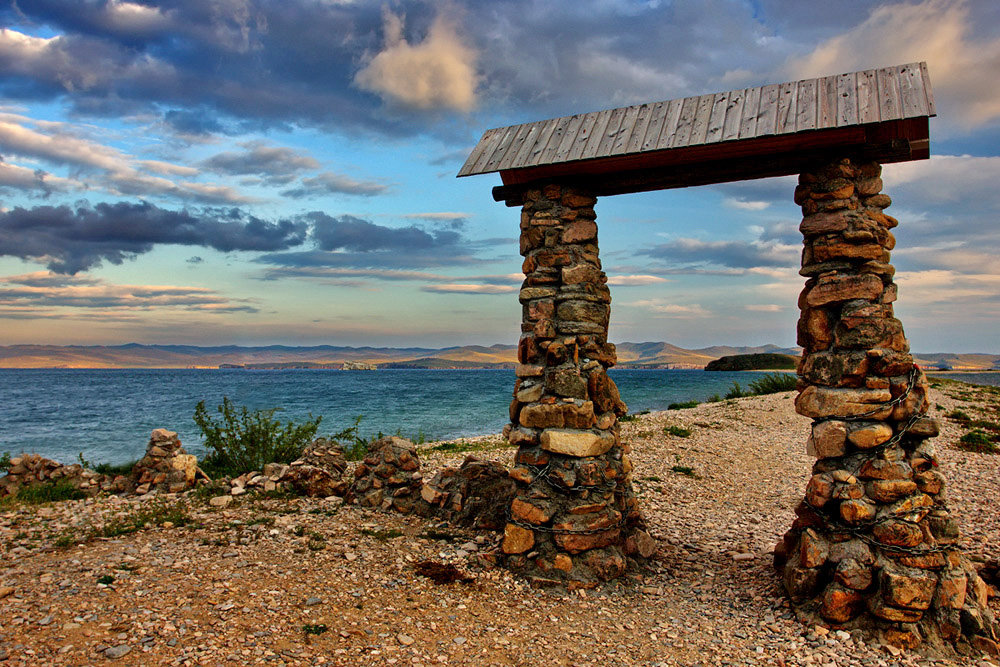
(220, 501)
(116, 652)
(405, 640)
(312, 602)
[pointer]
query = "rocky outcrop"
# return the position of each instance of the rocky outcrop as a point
(574, 509)
(32, 470)
(318, 473)
(874, 544)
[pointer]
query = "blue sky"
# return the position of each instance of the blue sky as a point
(254, 172)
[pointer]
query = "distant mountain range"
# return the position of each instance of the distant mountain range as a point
(630, 355)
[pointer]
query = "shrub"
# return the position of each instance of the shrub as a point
(736, 391)
(682, 406)
(111, 469)
(677, 431)
(773, 383)
(978, 441)
(246, 440)
(5, 462)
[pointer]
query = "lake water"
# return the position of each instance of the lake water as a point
(107, 415)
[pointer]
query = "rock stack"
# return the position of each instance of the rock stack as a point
(873, 544)
(388, 477)
(166, 467)
(33, 469)
(574, 507)
(476, 494)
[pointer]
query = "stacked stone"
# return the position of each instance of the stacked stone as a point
(873, 543)
(476, 494)
(166, 467)
(574, 508)
(388, 477)
(34, 469)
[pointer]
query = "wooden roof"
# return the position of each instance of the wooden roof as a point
(872, 108)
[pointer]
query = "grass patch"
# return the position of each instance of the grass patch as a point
(5, 462)
(154, 514)
(633, 416)
(110, 469)
(66, 540)
(771, 383)
(684, 470)
(314, 628)
(106, 579)
(683, 405)
(979, 442)
(651, 478)
(381, 534)
(49, 492)
(677, 431)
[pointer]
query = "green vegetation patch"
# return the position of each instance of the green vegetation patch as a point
(979, 442)
(684, 470)
(682, 406)
(677, 431)
(381, 534)
(314, 628)
(153, 514)
(48, 492)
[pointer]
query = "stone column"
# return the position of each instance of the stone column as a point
(873, 544)
(574, 516)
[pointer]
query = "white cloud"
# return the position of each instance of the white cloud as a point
(962, 68)
(744, 205)
(945, 178)
(634, 280)
(673, 309)
(469, 288)
(437, 73)
(764, 308)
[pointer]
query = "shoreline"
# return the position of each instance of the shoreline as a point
(244, 581)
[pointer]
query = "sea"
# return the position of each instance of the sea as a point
(107, 415)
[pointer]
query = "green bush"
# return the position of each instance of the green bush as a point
(773, 383)
(978, 441)
(49, 492)
(245, 440)
(677, 431)
(736, 391)
(5, 462)
(682, 406)
(110, 469)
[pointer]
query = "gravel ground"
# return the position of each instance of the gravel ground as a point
(308, 582)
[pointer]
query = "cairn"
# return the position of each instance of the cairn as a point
(388, 477)
(873, 544)
(476, 494)
(166, 467)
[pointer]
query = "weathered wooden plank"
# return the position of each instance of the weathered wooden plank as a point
(611, 132)
(597, 135)
(516, 143)
(527, 145)
(670, 124)
(806, 105)
(717, 120)
(748, 123)
(583, 135)
(867, 97)
(657, 116)
(557, 136)
(826, 102)
(624, 130)
(734, 115)
(699, 129)
(847, 100)
(787, 102)
(888, 94)
(683, 133)
(496, 154)
(928, 91)
(566, 145)
(470, 162)
(639, 129)
(767, 115)
(911, 94)
(544, 135)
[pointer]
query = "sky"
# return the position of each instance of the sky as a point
(260, 172)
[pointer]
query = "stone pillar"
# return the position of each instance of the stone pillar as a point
(573, 516)
(873, 544)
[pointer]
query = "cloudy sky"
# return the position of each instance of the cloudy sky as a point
(283, 171)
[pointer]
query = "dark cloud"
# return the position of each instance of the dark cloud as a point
(351, 242)
(193, 122)
(329, 183)
(732, 254)
(69, 240)
(277, 165)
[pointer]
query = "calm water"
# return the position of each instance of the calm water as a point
(108, 414)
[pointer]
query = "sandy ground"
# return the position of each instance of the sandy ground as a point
(311, 582)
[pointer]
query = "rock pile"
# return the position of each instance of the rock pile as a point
(574, 507)
(32, 469)
(317, 473)
(476, 494)
(388, 477)
(873, 544)
(166, 467)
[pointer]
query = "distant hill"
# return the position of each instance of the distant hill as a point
(630, 355)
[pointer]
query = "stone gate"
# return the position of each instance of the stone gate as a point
(873, 543)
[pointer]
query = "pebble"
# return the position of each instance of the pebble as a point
(116, 652)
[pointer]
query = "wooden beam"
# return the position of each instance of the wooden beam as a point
(718, 170)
